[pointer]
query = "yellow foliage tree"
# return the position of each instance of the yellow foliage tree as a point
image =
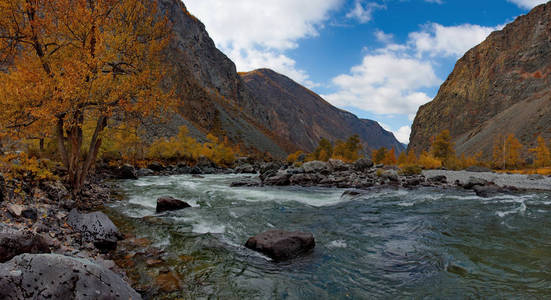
(378, 156)
(390, 158)
(542, 154)
(428, 161)
(74, 61)
(443, 148)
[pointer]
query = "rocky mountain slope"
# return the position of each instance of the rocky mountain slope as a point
(302, 117)
(263, 110)
(501, 86)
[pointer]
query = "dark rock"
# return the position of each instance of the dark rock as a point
(3, 195)
(305, 179)
(13, 243)
(363, 164)
(183, 170)
(478, 169)
(472, 182)
(282, 245)
(96, 228)
(127, 172)
(156, 167)
(245, 169)
(411, 182)
(203, 163)
(438, 179)
(145, 172)
(30, 213)
(196, 170)
(391, 175)
(170, 204)
(353, 193)
(281, 178)
(52, 276)
(197, 176)
(487, 191)
(269, 167)
(245, 182)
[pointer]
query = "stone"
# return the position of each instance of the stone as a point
(127, 172)
(245, 169)
(305, 179)
(391, 175)
(438, 179)
(155, 167)
(487, 191)
(336, 165)
(30, 213)
(96, 228)
(56, 190)
(170, 204)
(282, 245)
(363, 164)
(281, 178)
(13, 243)
(15, 209)
(248, 182)
(53, 276)
(145, 172)
(473, 181)
(315, 167)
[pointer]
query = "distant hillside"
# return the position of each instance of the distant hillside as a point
(501, 86)
(262, 110)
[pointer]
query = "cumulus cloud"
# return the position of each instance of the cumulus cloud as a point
(528, 4)
(256, 34)
(363, 11)
(391, 80)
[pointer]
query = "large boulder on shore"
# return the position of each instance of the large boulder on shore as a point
(52, 276)
(363, 164)
(282, 245)
(170, 204)
(95, 228)
(127, 172)
(315, 167)
(13, 243)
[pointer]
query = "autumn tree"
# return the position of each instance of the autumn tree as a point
(323, 152)
(390, 158)
(542, 154)
(443, 147)
(76, 61)
(348, 151)
(378, 156)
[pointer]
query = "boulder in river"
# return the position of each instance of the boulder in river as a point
(13, 243)
(127, 172)
(95, 228)
(52, 276)
(473, 181)
(282, 245)
(170, 204)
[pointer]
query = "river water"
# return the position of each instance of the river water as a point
(389, 243)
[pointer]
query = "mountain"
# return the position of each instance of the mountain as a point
(300, 116)
(265, 111)
(501, 86)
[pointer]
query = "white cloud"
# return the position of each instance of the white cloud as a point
(438, 40)
(392, 80)
(256, 34)
(402, 134)
(528, 4)
(384, 37)
(363, 12)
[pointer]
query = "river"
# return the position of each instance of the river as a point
(388, 243)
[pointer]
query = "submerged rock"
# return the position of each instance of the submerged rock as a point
(282, 245)
(52, 276)
(95, 228)
(18, 242)
(170, 204)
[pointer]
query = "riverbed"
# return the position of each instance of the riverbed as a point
(387, 243)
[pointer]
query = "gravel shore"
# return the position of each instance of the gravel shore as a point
(502, 180)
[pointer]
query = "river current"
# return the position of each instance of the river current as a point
(387, 243)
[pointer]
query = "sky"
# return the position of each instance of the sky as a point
(380, 59)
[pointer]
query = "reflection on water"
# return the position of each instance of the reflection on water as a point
(387, 243)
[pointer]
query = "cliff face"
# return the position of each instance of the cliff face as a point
(302, 117)
(263, 110)
(501, 86)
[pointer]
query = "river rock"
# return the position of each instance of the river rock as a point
(281, 178)
(438, 179)
(15, 209)
(315, 167)
(127, 172)
(363, 164)
(52, 276)
(55, 189)
(144, 172)
(170, 204)
(305, 179)
(487, 191)
(13, 243)
(3, 195)
(336, 165)
(155, 167)
(30, 213)
(95, 228)
(245, 169)
(473, 181)
(282, 245)
(478, 169)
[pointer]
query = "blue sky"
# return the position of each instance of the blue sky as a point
(380, 59)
